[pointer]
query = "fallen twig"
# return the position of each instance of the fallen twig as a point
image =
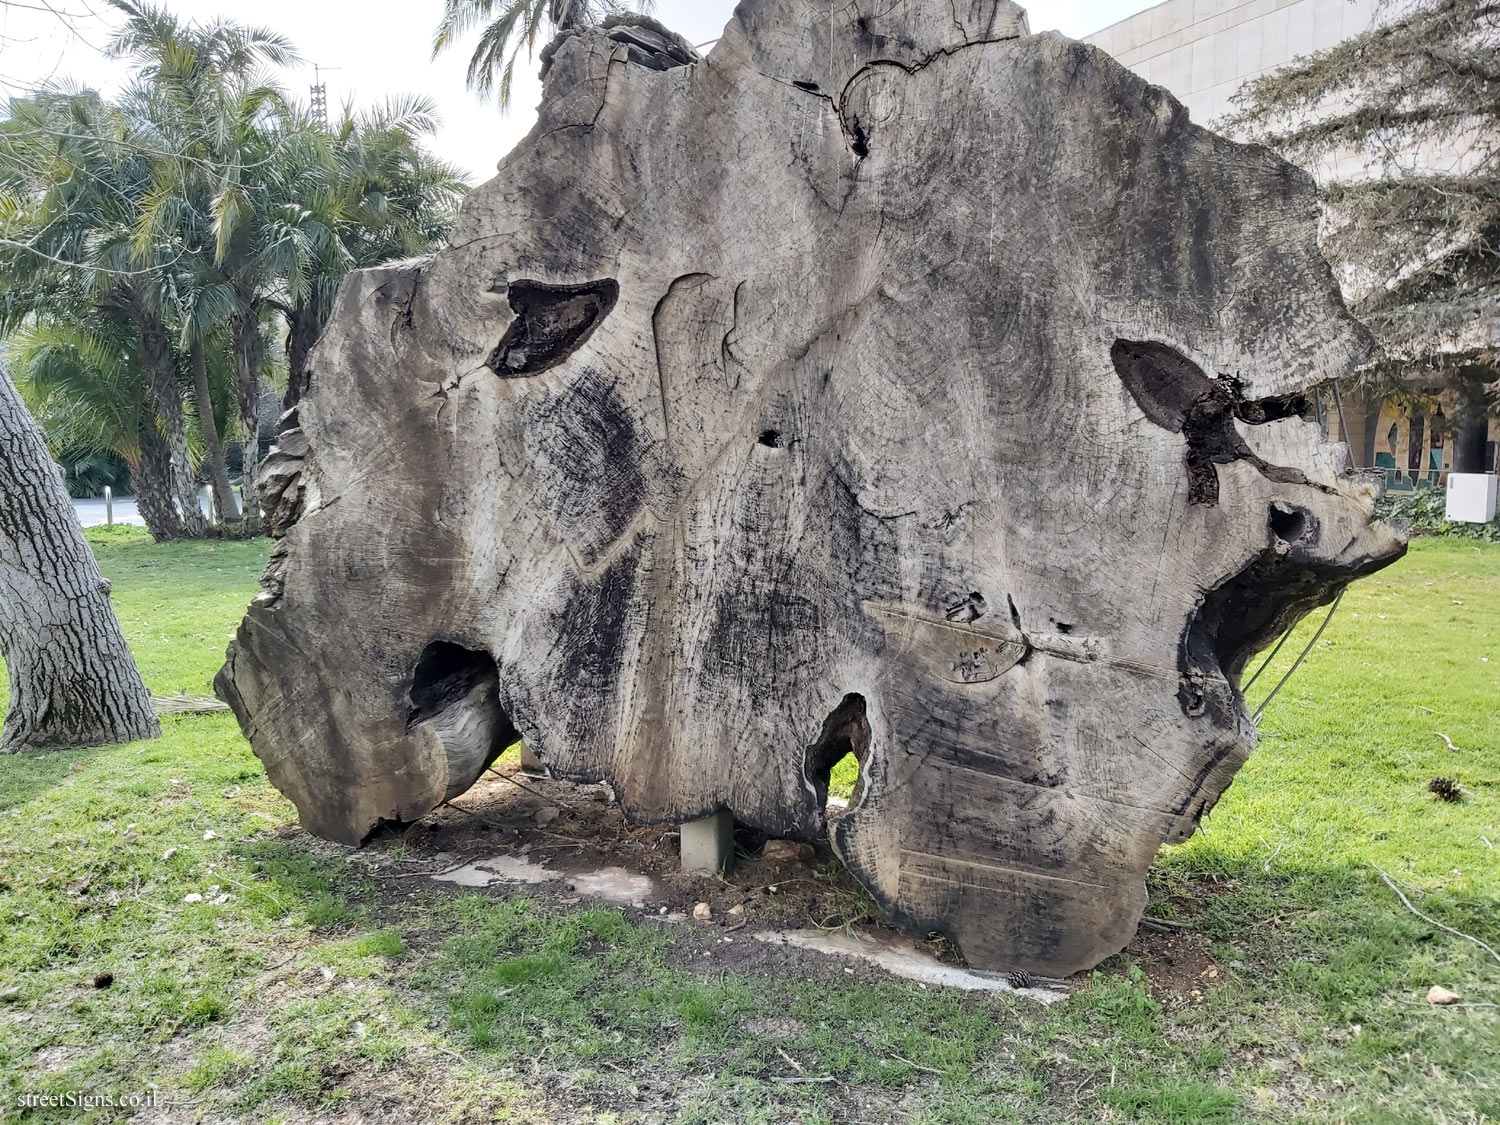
(916, 1066)
(1448, 740)
(1166, 925)
(1460, 1004)
(795, 1065)
(484, 820)
(423, 874)
(793, 1081)
(1433, 921)
(534, 792)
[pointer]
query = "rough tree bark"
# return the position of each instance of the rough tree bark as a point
(1472, 419)
(889, 382)
(304, 326)
(72, 680)
(213, 448)
(166, 393)
(151, 477)
(249, 353)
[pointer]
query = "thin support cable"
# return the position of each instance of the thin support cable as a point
(1267, 662)
(1264, 703)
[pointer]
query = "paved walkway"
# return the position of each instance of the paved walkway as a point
(91, 512)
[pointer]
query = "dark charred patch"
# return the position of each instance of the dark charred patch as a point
(590, 455)
(968, 609)
(593, 630)
(810, 87)
(1173, 392)
(1247, 612)
(859, 140)
(770, 439)
(552, 322)
(758, 629)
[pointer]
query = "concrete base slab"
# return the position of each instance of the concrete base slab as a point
(708, 844)
(530, 763)
(900, 957)
(610, 884)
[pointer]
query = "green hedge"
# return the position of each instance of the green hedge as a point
(1424, 510)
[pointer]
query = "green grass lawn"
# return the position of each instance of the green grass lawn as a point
(305, 988)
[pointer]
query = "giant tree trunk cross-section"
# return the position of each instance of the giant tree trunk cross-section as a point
(890, 381)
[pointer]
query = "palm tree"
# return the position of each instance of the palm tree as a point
(82, 380)
(511, 26)
(213, 110)
(204, 344)
(73, 173)
(195, 210)
(379, 196)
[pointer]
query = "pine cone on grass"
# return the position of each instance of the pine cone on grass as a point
(1445, 787)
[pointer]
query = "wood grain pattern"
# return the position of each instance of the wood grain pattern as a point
(773, 405)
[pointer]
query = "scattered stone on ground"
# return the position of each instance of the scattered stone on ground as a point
(1437, 994)
(703, 912)
(788, 851)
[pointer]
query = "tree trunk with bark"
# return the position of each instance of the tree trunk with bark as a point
(151, 477)
(304, 326)
(213, 448)
(890, 382)
(249, 354)
(166, 394)
(1471, 425)
(72, 680)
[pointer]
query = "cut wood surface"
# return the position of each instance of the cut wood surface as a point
(888, 382)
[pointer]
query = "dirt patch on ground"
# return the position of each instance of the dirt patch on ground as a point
(580, 829)
(1177, 963)
(1174, 954)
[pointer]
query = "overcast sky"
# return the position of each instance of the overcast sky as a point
(372, 49)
